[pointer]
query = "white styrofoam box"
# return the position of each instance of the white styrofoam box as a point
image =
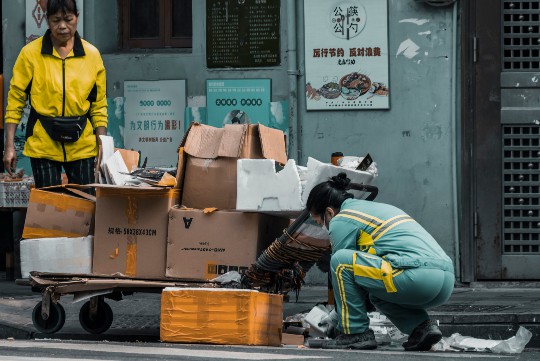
(319, 172)
(260, 188)
(57, 255)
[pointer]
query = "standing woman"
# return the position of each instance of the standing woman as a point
(64, 78)
(380, 252)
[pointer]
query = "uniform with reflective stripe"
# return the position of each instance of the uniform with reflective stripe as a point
(381, 251)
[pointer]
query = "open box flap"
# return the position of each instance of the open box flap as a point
(233, 140)
(75, 189)
(203, 141)
(273, 144)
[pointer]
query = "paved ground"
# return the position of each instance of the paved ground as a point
(486, 311)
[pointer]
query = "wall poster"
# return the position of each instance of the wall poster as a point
(346, 51)
(36, 20)
(154, 119)
(230, 101)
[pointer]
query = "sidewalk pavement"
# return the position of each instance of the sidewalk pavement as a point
(481, 310)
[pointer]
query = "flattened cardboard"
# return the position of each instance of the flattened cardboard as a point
(59, 211)
(207, 149)
(131, 230)
(203, 246)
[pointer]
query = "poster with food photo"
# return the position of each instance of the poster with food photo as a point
(346, 54)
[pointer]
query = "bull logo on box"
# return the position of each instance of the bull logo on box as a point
(187, 222)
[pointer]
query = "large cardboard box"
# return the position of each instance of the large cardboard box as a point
(59, 211)
(203, 245)
(131, 230)
(208, 173)
(221, 316)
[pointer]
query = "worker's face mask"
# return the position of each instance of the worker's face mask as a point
(330, 212)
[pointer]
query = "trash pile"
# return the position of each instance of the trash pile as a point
(231, 196)
(311, 329)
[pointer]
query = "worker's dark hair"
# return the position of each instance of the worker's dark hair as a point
(64, 6)
(331, 193)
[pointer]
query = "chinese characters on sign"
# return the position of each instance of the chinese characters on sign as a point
(36, 20)
(230, 101)
(346, 51)
(242, 33)
(154, 118)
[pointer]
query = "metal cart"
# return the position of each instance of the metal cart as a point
(95, 315)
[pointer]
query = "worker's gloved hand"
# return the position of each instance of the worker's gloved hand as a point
(324, 262)
(330, 322)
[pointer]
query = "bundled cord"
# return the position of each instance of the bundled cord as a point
(284, 264)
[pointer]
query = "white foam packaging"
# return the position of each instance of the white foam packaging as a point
(319, 172)
(261, 189)
(57, 255)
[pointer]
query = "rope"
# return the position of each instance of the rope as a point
(283, 265)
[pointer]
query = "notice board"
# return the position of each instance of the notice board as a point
(242, 33)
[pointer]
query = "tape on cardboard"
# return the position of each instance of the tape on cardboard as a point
(131, 256)
(34, 232)
(61, 202)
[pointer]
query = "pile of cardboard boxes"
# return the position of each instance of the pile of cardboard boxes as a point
(193, 231)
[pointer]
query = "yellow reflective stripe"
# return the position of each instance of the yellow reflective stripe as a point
(365, 240)
(383, 274)
(369, 256)
(386, 269)
(392, 226)
(341, 290)
(397, 272)
(366, 216)
(372, 250)
(363, 221)
(389, 223)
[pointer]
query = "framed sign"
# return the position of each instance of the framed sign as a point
(242, 33)
(154, 119)
(36, 21)
(230, 101)
(346, 51)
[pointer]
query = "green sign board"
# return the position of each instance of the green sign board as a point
(242, 33)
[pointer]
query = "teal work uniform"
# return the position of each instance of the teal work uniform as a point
(378, 249)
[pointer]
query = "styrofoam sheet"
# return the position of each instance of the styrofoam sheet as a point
(58, 255)
(261, 189)
(319, 172)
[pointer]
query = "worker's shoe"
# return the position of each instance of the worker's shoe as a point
(356, 341)
(423, 337)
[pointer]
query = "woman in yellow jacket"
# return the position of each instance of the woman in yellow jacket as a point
(64, 78)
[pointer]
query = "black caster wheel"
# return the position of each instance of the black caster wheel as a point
(55, 321)
(100, 322)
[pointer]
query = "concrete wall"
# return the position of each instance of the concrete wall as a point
(413, 143)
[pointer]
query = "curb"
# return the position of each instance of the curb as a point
(16, 332)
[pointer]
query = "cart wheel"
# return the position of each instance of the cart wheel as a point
(57, 317)
(100, 322)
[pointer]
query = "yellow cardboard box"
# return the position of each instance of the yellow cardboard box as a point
(59, 211)
(221, 316)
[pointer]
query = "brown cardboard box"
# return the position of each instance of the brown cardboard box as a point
(221, 316)
(203, 246)
(131, 230)
(59, 211)
(209, 169)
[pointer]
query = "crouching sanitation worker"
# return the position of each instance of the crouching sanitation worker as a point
(63, 77)
(381, 253)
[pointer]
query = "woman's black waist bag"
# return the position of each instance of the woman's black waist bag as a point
(60, 129)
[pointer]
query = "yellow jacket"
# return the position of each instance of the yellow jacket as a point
(71, 87)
